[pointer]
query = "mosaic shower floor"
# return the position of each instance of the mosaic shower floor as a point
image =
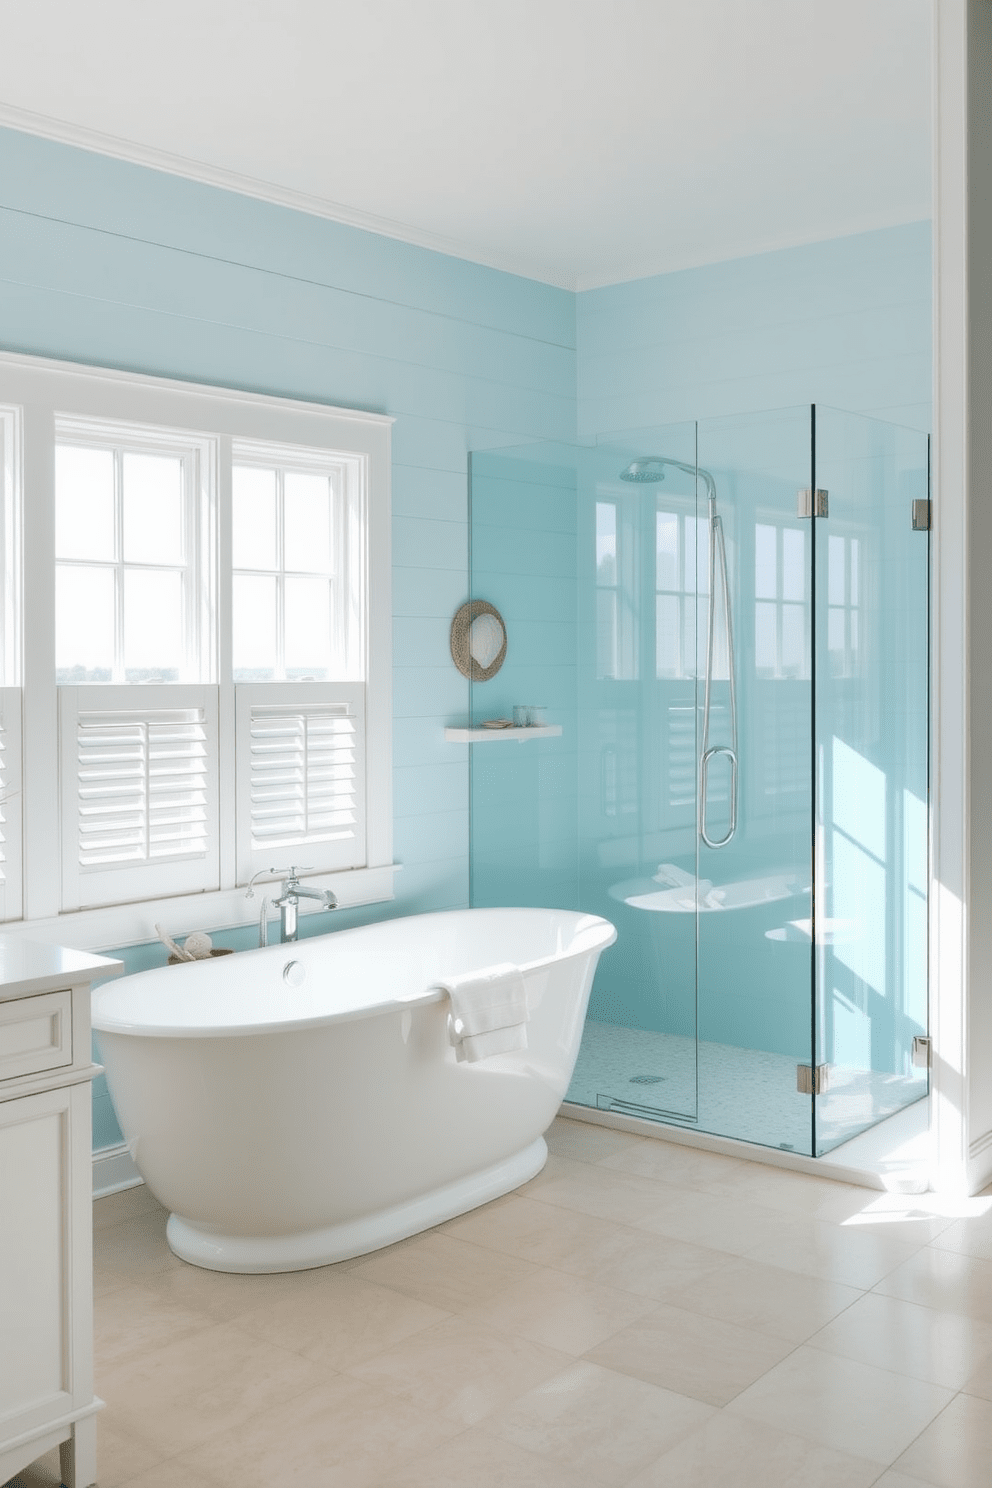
(742, 1093)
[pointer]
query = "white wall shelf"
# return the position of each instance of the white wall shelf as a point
(486, 736)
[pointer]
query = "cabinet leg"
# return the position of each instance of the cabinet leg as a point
(77, 1456)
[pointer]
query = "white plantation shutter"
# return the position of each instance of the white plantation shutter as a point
(139, 793)
(301, 776)
(10, 803)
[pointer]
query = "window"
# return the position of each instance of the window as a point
(198, 686)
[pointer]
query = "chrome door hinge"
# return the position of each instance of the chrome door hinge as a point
(812, 503)
(810, 1081)
(922, 515)
(922, 1052)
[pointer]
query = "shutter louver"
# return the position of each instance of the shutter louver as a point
(303, 775)
(142, 786)
(681, 755)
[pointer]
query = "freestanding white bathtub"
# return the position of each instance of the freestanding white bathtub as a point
(301, 1104)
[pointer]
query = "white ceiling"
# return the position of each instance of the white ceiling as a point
(576, 141)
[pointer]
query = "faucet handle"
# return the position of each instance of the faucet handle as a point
(294, 873)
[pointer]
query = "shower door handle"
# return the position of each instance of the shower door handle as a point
(704, 766)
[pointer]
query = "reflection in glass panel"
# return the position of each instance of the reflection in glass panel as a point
(793, 565)
(254, 517)
(152, 508)
(84, 624)
(308, 627)
(153, 625)
(765, 561)
(307, 522)
(668, 647)
(254, 628)
(667, 575)
(84, 503)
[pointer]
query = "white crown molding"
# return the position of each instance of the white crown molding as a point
(81, 138)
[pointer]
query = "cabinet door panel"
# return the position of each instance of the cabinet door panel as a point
(35, 1285)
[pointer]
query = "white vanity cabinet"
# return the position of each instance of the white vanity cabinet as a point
(46, 1208)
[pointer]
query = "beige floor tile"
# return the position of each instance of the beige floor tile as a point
(979, 1382)
(730, 1452)
(587, 1142)
(132, 1322)
(944, 1280)
(218, 1378)
(555, 1167)
(533, 1231)
(226, 1295)
(730, 1224)
(595, 1189)
(650, 1265)
(128, 1203)
(460, 1370)
(673, 1162)
(443, 1271)
(780, 1188)
(564, 1312)
(343, 1321)
(170, 1474)
(941, 1347)
(691, 1355)
(968, 1237)
(609, 1425)
(833, 1252)
(782, 1303)
(341, 1434)
(120, 1458)
(909, 1217)
(135, 1249)
(477, 1459)
(896, 1479)
(956, 1450)
(849, 1407)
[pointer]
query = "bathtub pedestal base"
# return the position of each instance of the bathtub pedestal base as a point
(254, 1254)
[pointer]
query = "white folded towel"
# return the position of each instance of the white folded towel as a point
(488, 1011)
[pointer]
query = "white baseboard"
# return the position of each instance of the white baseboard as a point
(113, 1170)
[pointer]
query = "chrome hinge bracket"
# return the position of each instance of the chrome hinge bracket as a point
(810, 1081)
(922, 515)
(922, 1052)
(812, 503)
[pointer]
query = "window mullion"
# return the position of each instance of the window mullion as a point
(118, 674)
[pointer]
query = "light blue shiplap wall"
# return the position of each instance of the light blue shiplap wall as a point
(845, 323)
(110, 263)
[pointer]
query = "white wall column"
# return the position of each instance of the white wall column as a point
(961, 902)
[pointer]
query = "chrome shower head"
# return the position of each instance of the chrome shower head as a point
(647, 470)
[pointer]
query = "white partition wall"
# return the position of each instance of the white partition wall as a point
(961, 921)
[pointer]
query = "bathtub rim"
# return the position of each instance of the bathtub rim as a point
(595, 934)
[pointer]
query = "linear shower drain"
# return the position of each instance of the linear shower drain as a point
(646, 1079)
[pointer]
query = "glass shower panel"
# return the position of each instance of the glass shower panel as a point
(754, 844)
(871, 737)
(640, 553)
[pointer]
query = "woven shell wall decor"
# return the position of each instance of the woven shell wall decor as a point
(478, 640)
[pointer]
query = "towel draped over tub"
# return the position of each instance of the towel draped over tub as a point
(488, 1011)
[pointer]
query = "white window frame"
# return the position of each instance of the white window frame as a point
(42, 394)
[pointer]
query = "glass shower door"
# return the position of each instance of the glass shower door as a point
(638, 574)
(871, 760)
(754, 838)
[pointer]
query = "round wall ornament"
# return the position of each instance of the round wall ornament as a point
(478, 640)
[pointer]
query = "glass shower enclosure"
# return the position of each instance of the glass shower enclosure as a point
(729, 621)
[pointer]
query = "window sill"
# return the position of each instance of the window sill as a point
(132, 924)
